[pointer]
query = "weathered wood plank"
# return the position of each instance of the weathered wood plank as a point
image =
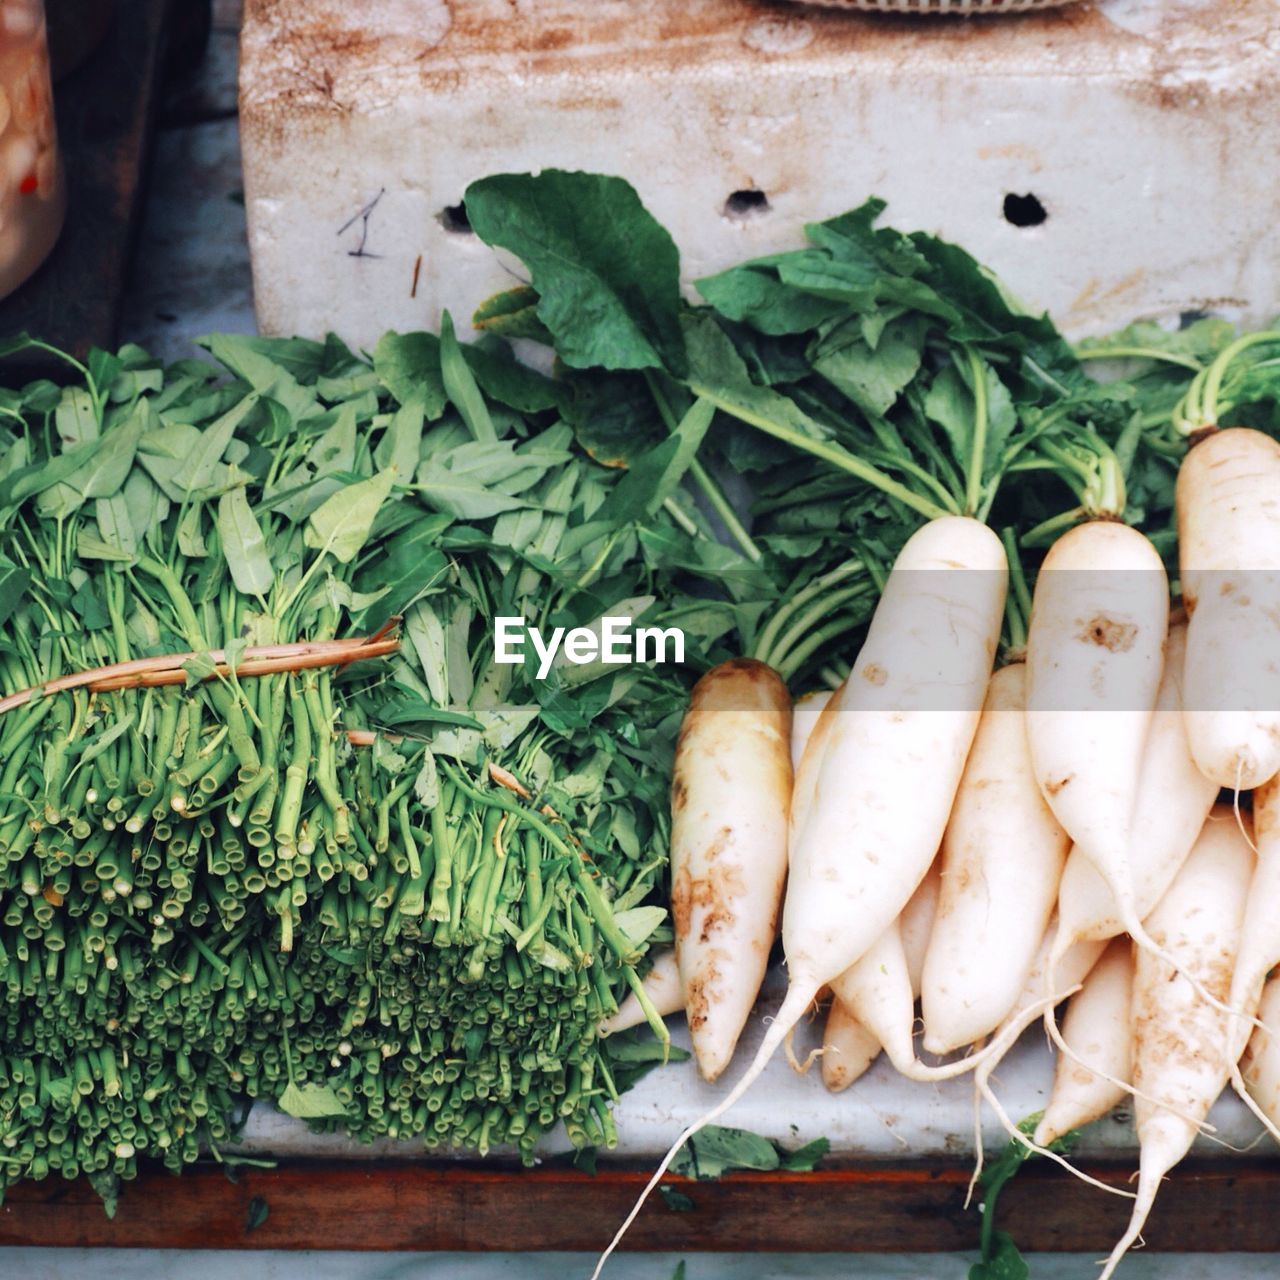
(1213, 1205)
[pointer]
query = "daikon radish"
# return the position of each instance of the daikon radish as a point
(1002, 857)
(662, 983)
(901, 728)
(1097, 1027)
(1180, 1041)
(848, 1048)
(1260, 1064)
(916, 923)
(1260, 933)
(1259, 941)
(730, 803)
(1174, 799)
(1095, 657)
(1228, 508)
(804, 720)
(880, 991)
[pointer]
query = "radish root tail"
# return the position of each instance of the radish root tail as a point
(791, 1011)
(1148, 1184)
(1004, 1042)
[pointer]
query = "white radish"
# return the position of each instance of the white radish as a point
(1260, 935)
(1259, 939)
(1261, 1061)
(1095, 656)
(1174, 799)
(1180, 1040)
(730, 802)
(848, 1048)
(880, 991)
(1228, 506)
(805, 716)
(916, 923)
(662, 984)
(1001, 859)
(901, 728)
(1098, 1029)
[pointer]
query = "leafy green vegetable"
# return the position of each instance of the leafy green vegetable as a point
(676, 1201)
(243, 544)
(310, 1102)
(1000, 1257)
(256, 1214)
(715, 1151)
(606, 274)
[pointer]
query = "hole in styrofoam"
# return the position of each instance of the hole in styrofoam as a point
(453, 218)
(748, 203)
(1024, 211)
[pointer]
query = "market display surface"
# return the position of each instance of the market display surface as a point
(287, 815)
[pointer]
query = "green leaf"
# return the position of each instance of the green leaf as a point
(872, 379)
(101, 476)
(243, 355)
(199, 668)
(243, 545)
(654, 476)
(340, 525)
(401, 443)
(425, 633)
(677, 1202)
(606, 273)
(190, 539)
(255, 1215)
(409, 564)
(115, 521)
(715, 1150)
(202, 468)
(753, 294)
(512, 314)
(502, 377)
(426, 786)
(1005, 1262)
(638, 923)
(409, 366)
(91, 612)
(106, 1186)
(407, 710)
(613, 416)
(147, 506)
(805, 1159)
(14, 583)
(310, 1102)
(460, 385)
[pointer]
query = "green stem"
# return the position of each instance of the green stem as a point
(834, 454)
(1217, 371)
(786, 610)
(973, 479)
(1139, 353)
(600, 910)
(1018, 600)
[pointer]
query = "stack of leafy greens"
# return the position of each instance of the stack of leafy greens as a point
(395, 894)
(395, 886)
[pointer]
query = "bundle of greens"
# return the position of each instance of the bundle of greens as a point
(392, 886)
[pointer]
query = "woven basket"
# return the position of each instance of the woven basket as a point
(956, 8)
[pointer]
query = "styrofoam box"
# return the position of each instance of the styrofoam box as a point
(1144, 133)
